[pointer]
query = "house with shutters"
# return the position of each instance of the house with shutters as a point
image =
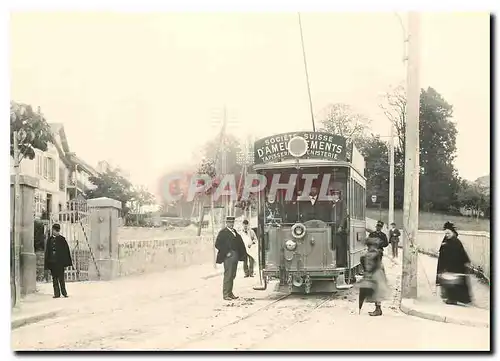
(62, 175)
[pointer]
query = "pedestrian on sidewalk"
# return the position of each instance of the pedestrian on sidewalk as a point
(453, 262)
(374, 278)
(378, 233)
(57, 257)
(231, 250)
(250, 240)
(394, 235)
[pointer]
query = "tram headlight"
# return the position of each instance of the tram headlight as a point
(298, 230)
(290, 245)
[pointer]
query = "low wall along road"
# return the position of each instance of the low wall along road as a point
(143, 256)
(143, 250)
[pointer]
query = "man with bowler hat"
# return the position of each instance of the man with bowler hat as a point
(57, 256)
(231, 250)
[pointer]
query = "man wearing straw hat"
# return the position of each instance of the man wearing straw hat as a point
(250, 240)
(231, 250)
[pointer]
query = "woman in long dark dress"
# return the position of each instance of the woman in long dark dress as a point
(452, 267)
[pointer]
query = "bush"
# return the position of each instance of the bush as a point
(39, 236)
(455, 211)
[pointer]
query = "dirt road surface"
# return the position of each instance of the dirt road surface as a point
(179, 310)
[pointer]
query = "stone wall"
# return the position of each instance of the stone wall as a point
(144, 233)
(477, 245)
(143, 256)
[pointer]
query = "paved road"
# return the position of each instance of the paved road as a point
(179, 310)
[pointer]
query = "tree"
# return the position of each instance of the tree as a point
(340, 119)
(474, 196)
(34, 131)
(113, 185)
(140, 198)
(438, 177)
(377, 167)
(230, 146)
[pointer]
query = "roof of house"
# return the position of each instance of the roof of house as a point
(68, 157)
(82, 164)
(57, 128)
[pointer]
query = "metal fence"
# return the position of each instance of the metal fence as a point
(477, 245)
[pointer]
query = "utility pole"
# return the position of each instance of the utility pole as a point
(391, 176)
(223, 159)
(412, 167)
(391, 143)
(220, 154)
(15, 244)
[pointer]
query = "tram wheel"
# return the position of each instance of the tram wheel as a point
(350, 277)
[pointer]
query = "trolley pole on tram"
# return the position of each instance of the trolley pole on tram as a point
(412, 167)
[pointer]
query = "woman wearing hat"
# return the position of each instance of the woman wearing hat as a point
(452, 267)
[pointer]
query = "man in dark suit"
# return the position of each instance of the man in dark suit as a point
(378, 233)
(57, 256)
(231, 249)
(394, 235)
(313, 208)
(340, 231)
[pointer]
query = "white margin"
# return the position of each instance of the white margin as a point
(199, 5)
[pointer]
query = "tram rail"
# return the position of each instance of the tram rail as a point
(320, 300)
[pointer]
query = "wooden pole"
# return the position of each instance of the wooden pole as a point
(412, 168)
(201, 215)
(16, 224)
(391, 176)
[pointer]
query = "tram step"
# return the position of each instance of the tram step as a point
(344, 286)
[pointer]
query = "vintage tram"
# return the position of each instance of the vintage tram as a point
(311, 217)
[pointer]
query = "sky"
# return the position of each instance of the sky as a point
(145, 91)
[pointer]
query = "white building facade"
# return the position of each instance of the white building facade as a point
(62, 176)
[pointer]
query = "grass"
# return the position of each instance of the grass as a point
(433, 221)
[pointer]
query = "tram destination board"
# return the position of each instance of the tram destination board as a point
(324, 146)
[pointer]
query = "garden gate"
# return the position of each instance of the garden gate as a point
(76, 228)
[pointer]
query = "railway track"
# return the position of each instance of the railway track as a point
(273, 318)
(318, 306)
(206, 335)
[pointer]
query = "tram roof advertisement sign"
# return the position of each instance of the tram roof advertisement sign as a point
(325, 146)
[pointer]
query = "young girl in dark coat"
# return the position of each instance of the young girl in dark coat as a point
(452, 268)
(374, 277)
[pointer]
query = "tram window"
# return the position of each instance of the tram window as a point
(358, 197)
(351, 198)
(364, 203)
(358, 201)
(354, 211)
(355, 199)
